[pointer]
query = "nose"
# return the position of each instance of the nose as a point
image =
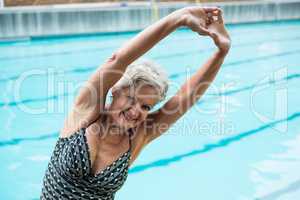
(134, 112)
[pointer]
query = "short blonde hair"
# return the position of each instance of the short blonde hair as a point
(148, 72)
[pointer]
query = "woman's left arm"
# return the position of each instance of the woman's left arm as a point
(194, 88)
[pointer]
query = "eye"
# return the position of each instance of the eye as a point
(146, 107)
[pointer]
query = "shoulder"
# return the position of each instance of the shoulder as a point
(77, 119)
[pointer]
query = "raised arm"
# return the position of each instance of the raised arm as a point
(194, 88)
(91, 99)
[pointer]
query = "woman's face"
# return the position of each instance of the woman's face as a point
(131, 105)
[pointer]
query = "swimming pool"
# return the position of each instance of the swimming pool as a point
(241, 141)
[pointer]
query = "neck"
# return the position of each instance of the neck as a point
(112, 133)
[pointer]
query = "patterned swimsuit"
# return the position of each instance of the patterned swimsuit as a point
(68, 175)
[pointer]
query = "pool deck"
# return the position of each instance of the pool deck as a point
(90, 18)
(129, 5)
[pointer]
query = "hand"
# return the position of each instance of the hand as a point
(198, 18)
(219, 34)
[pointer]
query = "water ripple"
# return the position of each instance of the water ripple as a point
(176, 75)
(212, 146)
(16, 141)
(171, 160)
(92, 68)
(92, 50)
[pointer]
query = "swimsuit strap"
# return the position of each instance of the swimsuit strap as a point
(130, 137)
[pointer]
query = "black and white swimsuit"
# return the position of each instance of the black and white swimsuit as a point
(69, 176)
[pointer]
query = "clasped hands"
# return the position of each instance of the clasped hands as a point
(209, 22)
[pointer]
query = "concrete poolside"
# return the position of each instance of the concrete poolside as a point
(89, 18)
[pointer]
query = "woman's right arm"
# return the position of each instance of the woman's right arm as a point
(91, 99)
(191, 91)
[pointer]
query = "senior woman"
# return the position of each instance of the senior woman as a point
(99, 140)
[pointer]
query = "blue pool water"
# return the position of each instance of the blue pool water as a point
(241, 141)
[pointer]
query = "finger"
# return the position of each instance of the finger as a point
(213, 16)
(203, 23)
(209, 20)
(214, 13)
(210, 9)
(220, 17)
